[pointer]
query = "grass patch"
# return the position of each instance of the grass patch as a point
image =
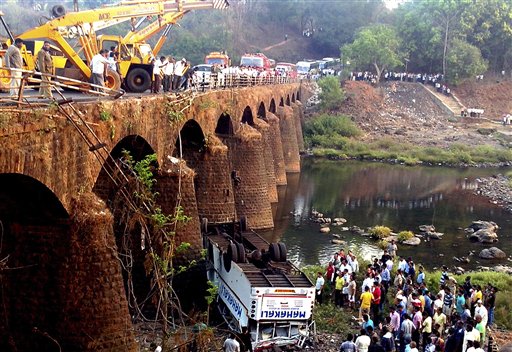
(380, 232)
(335, 136)
(409, 154)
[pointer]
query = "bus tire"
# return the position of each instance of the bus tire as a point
(274, 251)
(241, 253)
(204, 226)
(243, 223)
(227, 262)
(282, 251)
(138, 80)
(229, 256)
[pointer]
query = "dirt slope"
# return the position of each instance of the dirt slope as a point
(406, 111)
(494, 98)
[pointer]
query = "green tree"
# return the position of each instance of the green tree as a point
(489, 27)
(332, 95)
(421, 42)
(377, 46)
(464, 61)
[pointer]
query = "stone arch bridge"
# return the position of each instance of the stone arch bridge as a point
(223, 152)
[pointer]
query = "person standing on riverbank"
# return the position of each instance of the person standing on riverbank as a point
(231, 344)
(319, 287)
(348, 345)
(366, 301)
(392, 249)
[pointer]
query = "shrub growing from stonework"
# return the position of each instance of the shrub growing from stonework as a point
(404, 236)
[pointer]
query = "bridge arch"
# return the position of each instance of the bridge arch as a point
(293, 97)
(262, 112)
(281, 102)
(288, 100)
(35, 240)
(247, 116)
(128, 233)
(224, 125)
(190, 142)
(272, 107)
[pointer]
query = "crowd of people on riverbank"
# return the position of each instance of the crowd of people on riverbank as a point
(399, 312)
(436, 80)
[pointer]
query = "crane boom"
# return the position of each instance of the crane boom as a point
(153, 28)
(83, 25)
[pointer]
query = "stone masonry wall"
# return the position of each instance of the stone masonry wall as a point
(251, 194)
(289, 138)
(85, 303)
(168, 185)
(213, 185)
(268, 159)
(277, 149)
(298, 114)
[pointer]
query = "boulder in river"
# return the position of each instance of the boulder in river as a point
(503, 269)
(337, 241)
(325, 230)
(415, 241)
(492, 253)
(483, 231)
(434, 235)
(427, 228)
(356, 229)
(392, 237)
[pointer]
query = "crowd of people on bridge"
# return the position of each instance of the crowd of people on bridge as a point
(397, 310)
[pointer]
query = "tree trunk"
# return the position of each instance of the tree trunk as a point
(445, 49)
(378, 71)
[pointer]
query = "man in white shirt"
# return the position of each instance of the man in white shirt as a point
(14, 61)
(402, 264)
(482, 311)
(344, 265)
(389, 264)
(99, 65)
(231, 344)
(168, 73)
(319, 286)
(179, 66)
(363, 342)
(158, 64)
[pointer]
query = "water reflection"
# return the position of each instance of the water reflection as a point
(368, 194)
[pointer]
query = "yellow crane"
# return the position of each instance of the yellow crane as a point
(80, 27)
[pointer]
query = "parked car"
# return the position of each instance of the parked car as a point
(202, 74)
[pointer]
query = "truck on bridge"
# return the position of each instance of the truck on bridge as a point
(217, 58)
(258, 287)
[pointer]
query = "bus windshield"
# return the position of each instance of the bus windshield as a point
(215, 61)
(251, 61)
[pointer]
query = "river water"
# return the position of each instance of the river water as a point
(400, 197)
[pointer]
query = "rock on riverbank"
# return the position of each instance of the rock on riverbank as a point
(498, 189)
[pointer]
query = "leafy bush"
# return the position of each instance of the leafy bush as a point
(380, 232)
(382, 244)
(331, 96)
(404, 236)
(329, 125)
